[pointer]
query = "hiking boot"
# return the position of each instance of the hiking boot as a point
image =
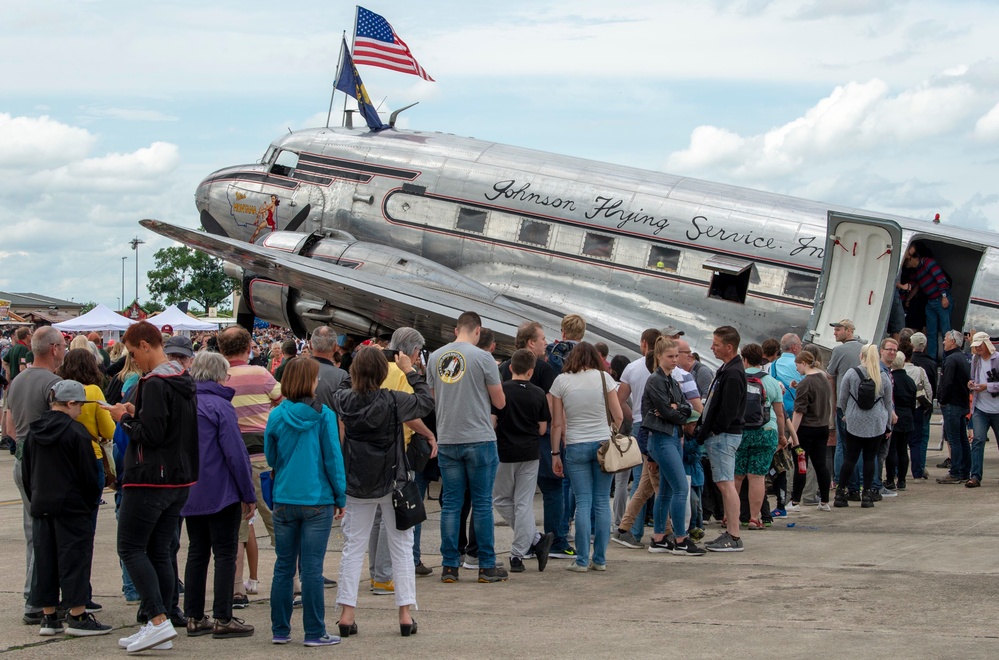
(627, 539)
(949, 479)
(50, 625)
(488, 575)
(198, 627)
(868, 501)
(945, 465)
(842, 498)
(875, 495)
(853, 495)
(232, 628)
(422, 570)
(85, 625)
(449, 574)
(517, 565)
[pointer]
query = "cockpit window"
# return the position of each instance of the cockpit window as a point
(285, 163)
(268, 155)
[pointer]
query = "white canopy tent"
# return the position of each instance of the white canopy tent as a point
(181, 323)
(100, 319)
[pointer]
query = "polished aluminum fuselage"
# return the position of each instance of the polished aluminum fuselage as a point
(626, 248)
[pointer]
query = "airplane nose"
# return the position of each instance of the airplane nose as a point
(202, 194)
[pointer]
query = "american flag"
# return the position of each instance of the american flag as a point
(377, 44)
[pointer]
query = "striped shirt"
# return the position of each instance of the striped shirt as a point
(255, 390)
(931, 278)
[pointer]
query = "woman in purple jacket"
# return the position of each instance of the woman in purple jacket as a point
(222, 496)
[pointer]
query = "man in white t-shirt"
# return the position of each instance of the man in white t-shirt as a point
(984, 388)
(465, 381)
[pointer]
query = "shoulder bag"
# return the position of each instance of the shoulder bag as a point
(406, 499)
(621, 452)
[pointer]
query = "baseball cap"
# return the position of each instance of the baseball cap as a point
(70, 390)
(671, 331)
(178, 345)
(167, 329)
(845, 323)
(694, 416)
(983, 338)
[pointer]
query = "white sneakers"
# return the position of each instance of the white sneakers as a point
(251, 586)
(824, 506)
(150, 637)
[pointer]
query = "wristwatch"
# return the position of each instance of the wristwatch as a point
(556, 454)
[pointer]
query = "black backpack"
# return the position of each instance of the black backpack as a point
(867, 394)
(757, 412)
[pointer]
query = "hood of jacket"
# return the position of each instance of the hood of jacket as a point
(299, 416)
(50, 427)
(169, 371)
(208, 387)
(363, 414)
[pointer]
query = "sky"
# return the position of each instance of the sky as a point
(113, 111)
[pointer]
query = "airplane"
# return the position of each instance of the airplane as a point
(368, 231)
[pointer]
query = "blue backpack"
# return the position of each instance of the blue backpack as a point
(556, 354)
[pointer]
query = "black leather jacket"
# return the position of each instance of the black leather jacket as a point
(657, 412)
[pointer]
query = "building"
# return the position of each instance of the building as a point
(34, 307)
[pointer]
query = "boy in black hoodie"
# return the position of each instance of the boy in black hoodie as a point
(61, 483)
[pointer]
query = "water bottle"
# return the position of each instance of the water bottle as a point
(802, 461)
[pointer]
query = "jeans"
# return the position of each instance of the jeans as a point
(853, 482)
(300, 533)
(469, 465)
(423, 484)
(919, 438)
(879, 468)
(358, 521)
(956, 432)
(214, 534)
(937, 322)
(667, 452)
(147, 524)
(591, 488)
(981, 422)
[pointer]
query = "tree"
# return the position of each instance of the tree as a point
(87, 306)
(182, 273)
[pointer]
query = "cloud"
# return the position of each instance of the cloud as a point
(856, 117)
(128, 114)
(987, 126)
(820, 9)
(29, 142)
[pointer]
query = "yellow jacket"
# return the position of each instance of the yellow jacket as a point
(97, 420)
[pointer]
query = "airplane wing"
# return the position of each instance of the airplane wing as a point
(389, 302)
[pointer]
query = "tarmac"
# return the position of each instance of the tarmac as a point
(915, 577)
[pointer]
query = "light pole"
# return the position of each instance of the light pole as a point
(122, 299)
(135, 243)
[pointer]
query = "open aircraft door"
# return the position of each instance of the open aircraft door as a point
(859, 268)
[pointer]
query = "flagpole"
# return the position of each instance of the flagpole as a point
(339, 63)
(353, 39)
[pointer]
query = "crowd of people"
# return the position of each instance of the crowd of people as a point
(220, 434)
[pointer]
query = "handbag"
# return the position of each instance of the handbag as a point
(418, 452)
(406, 500)
(110, 476)
(621, 452)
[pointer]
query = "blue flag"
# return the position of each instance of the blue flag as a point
(349, 82)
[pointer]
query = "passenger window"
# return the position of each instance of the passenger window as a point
(598, 245)
(471, 220)
(729, 277)
(664, 258)
(533, 232)
(285, 164)
(798, 285)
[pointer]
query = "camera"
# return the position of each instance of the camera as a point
(390, 354)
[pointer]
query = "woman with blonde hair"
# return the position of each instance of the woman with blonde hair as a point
(866, 422)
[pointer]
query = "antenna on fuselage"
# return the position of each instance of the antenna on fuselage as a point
(394, 115)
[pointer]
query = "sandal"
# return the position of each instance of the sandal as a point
(755, 524)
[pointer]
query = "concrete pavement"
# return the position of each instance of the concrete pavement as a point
(915, 577)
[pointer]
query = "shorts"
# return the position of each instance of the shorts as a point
(721, 450)
(756, 453)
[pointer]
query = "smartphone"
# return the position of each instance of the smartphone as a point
(390, 354)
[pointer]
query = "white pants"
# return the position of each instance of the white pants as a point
(513, 498)
(358, 518)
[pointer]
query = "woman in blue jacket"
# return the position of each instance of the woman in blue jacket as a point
(302, 445)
